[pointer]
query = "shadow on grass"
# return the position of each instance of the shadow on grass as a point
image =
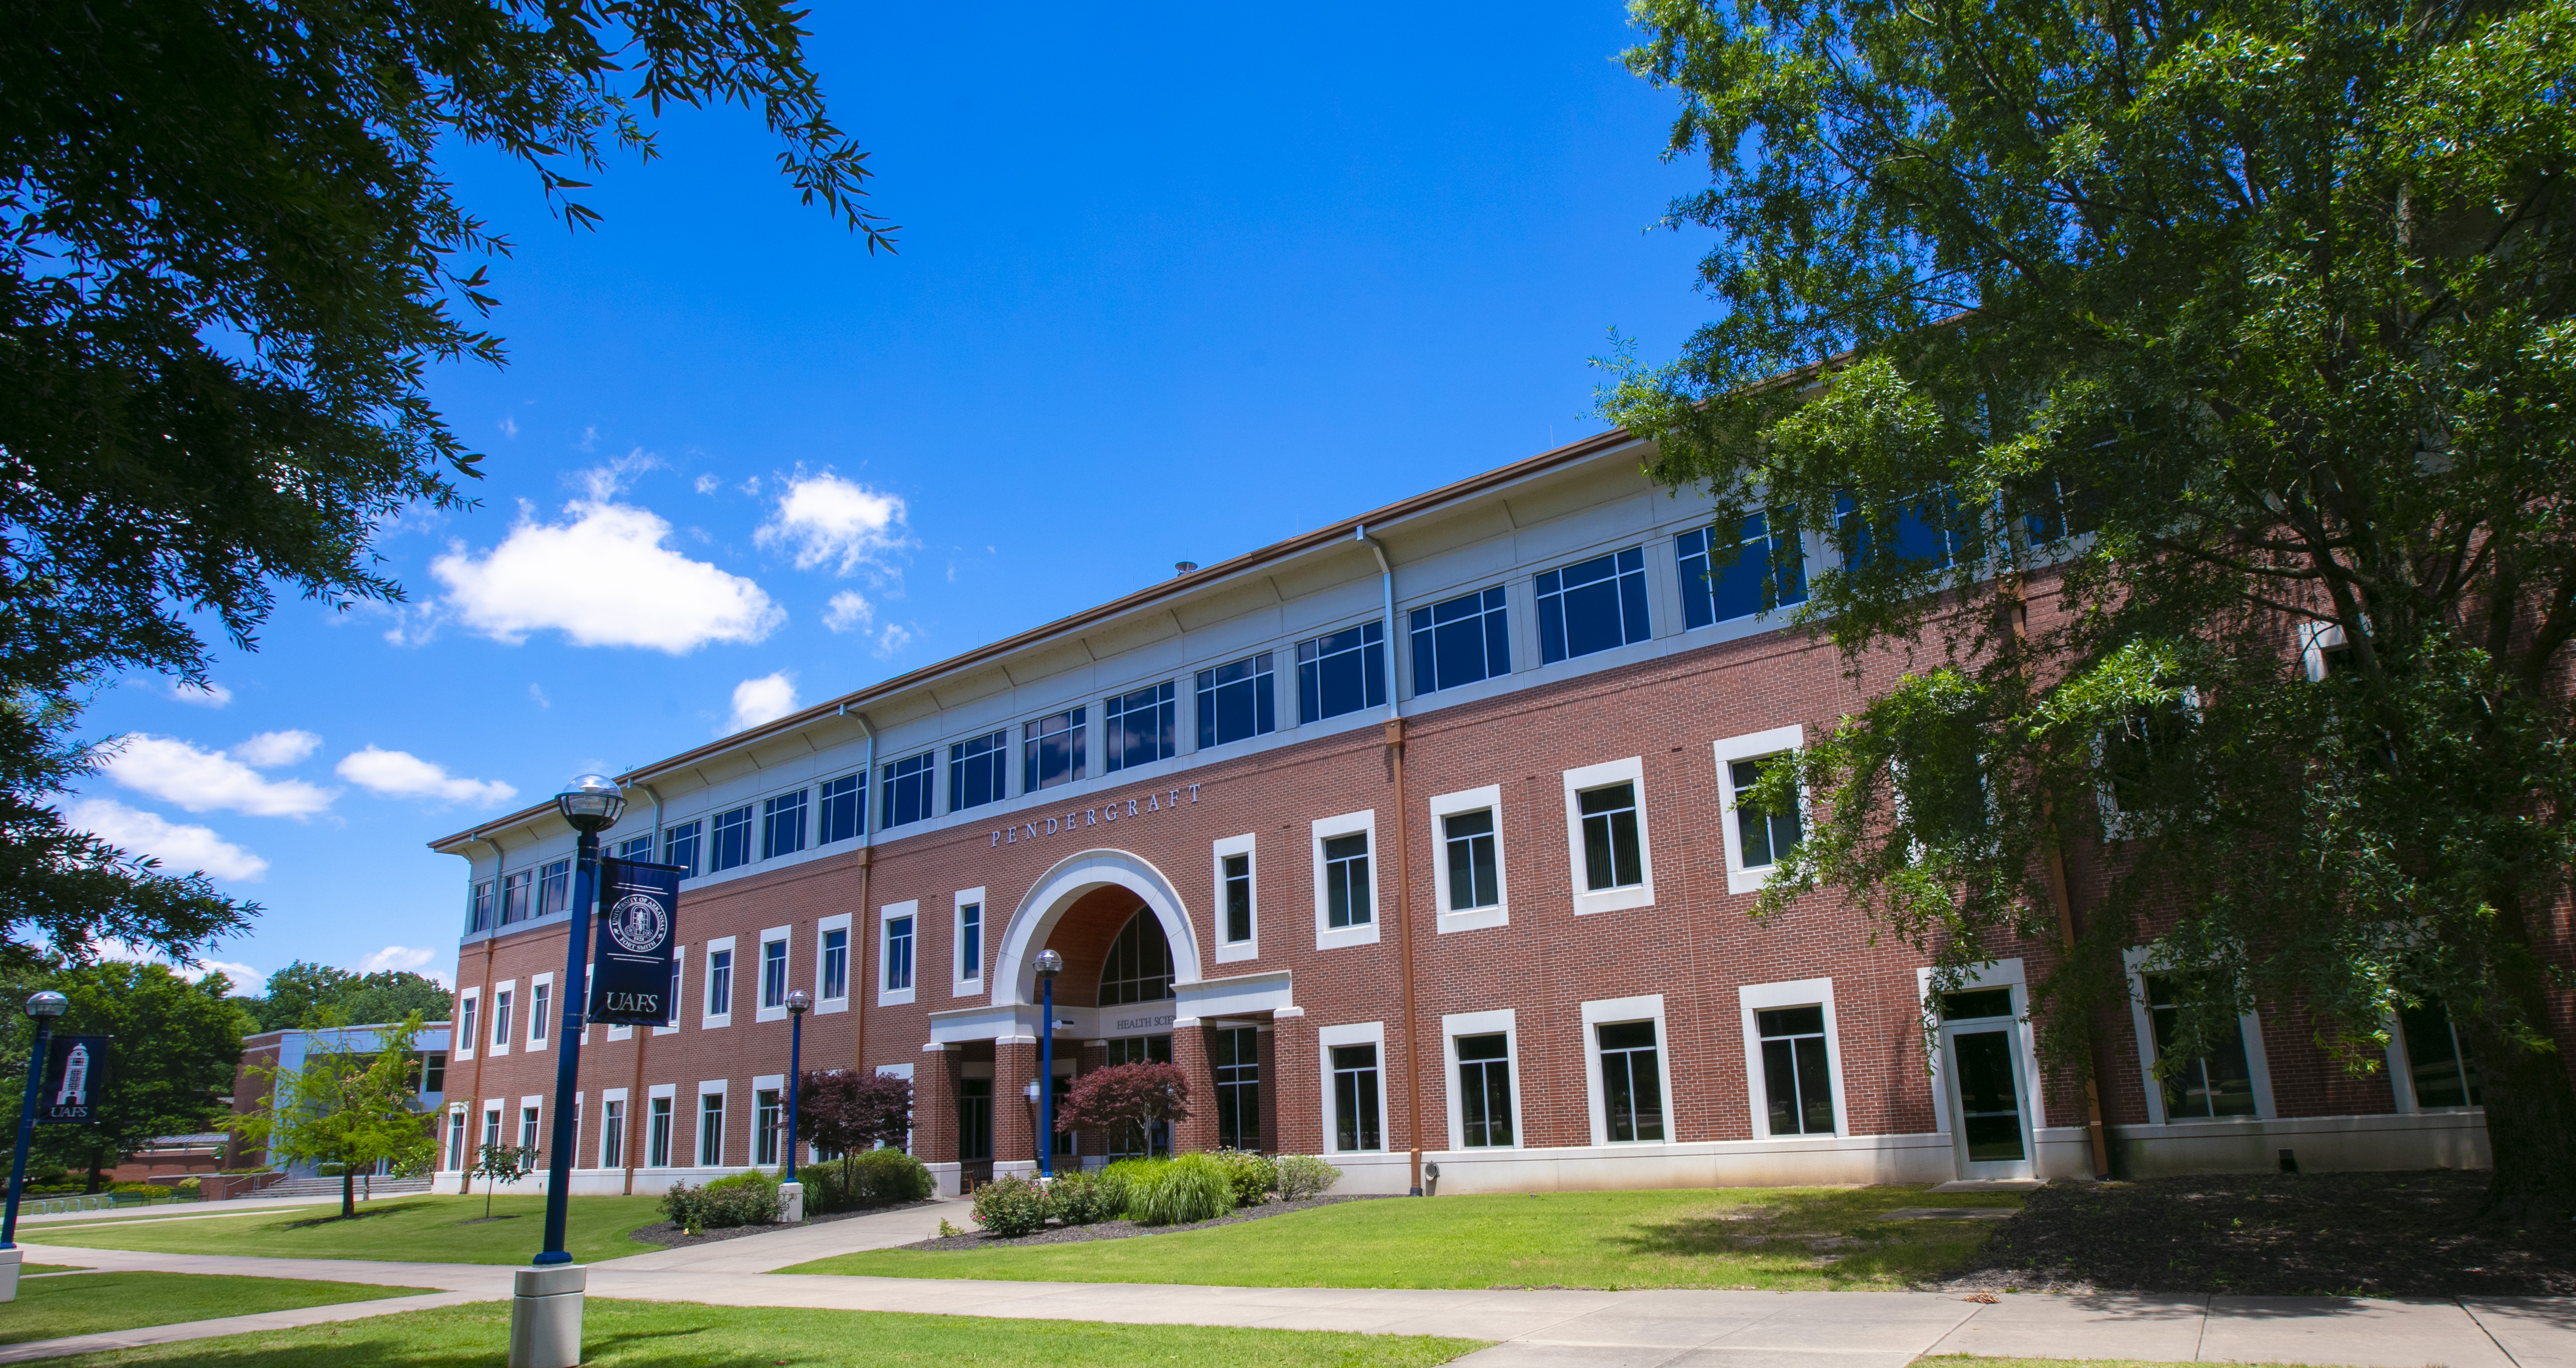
(361, 1214)
(1841, 1235)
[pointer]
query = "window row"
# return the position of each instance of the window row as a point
(675, 1131)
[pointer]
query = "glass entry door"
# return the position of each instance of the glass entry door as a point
(1989, 1118)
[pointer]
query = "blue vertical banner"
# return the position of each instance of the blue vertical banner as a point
(631, 962)
(75, 1077)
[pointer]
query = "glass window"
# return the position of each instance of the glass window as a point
(1236, 701)
(837, 814)
(539, 1000)
(501, 1020)
(1144, 1049)
(1460, 642)
(680, 847)
(977, 770)
(1238, 899)
(1052, 750)
(2442, 1073)
(657, 1134)
(1139, 967)
(1355, 1097)
(1632, 1093)
(528, 1128)
(1976, 1004)
(731, 846)
(456, 1140)
(907, 790)
(970, 942)
(433, 1073)
(554, 888)
(1236, 1054)
(1346, 880)
(767, 1123)
(1140, 727)
(773, 974)
(710, 1130)
(480, 918)
(466, 1023)
(2058, 509)
(1594, 605)
(518, 893)
(1924, 531)
(898, 954)
(782, 825)
(1754, 573)
(2208, 1086)
(974, 1119)
(836, 964)
(1485, 1089)
(492, 1126)
(1473, 881)
(636, 848)
(1795, 1079)
(1611, 858)
(719, 983)
(612, 1134)
(1341, 673)
(1766, 837)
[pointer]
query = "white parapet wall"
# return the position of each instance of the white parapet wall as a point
(2410, 1140)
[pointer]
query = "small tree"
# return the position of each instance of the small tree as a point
(851, 1112)
(1126, 1099)
(352, 1110)
(498, 1164)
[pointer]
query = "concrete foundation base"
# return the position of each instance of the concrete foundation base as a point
(9, 1260)
(791, 1210)
(545, 1316)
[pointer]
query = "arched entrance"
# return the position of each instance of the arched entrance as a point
(1108, 885)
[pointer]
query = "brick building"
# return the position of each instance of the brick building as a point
(1413, 840)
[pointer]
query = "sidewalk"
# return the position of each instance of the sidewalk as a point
(1646, 1329)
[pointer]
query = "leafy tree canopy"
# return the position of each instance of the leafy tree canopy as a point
(302, 989)
(2142, 361)
(176, 1051)
(351, 1108)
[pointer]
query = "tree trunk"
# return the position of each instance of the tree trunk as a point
(2530, 1101)
(348, 1190)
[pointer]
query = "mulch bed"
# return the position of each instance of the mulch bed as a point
(670, 1236)
(2321, 1234)
(1122, 1230)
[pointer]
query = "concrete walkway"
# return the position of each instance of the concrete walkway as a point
(1651, 1329)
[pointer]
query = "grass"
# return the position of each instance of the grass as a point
(26, 1269)
(1771, 1239)
(94, 1303)
(409, 1229)
(621, 1334)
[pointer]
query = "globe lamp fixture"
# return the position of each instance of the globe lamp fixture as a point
(591, 803)
(1049, 964)
(799, 1001)
(48, 1004)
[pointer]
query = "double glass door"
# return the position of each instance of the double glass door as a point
(1987, 1086)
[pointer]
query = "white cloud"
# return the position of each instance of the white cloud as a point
(271, 749)
(589, 438)
(181, 849)
(509, 427)
(765, 699)
(206, 781)
(895, 638)
(537, 695)
(243, 976)
(708, 484)
(826, 520)
(402, 957)
(604, 578)
(400, 774)
(211, 696)
(603, 482)
(849, 611)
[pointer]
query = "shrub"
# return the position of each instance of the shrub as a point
(1080, 1199)
(750, 1198)
(1011, 1205)
(1118, 1182)
(1303, 1175)
(148, 1191)
(1193, 1187)
(1254, 1176)
(888, 1176)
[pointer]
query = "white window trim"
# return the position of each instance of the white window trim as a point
(1579, 781)
(1760, 997)
(535, 1040)
(1328, 937)
(482, 1023)
(1750, 746)
(1610, 1011)
(1446, 805)
(752, 1132)
(680, 959)
(2138, 962)
(533, 1102)
(2004, 973)
(850, 948)
(1235, 952)
(707, 1020)
(896, 997)
(2315, 639)
(769, 936)
(1355, 1033)
(608, 1096)
(1456, 1024)
(965, 980)
(697, 1121)
(505, 988)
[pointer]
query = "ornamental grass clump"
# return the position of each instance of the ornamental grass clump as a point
(1193, 1187)
(1011, 1206)
(1303, 1175)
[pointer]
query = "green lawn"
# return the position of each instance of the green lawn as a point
(620, 1334)
(93, 1303)
(1776, 1239)
(426, 1229)
(25, 1270)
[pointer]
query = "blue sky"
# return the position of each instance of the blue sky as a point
(1172, 285)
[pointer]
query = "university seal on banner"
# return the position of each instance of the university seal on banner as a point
(638, 924)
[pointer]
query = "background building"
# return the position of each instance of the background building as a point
(290, 1050)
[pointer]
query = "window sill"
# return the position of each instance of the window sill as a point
(830, 1005)
(966, 988)
(1750, 880)
(901, 999)
(1236, 952)
(1615, 899)
(1336, 938)
(1476, 919)
(715, 1023)
(777, 1013)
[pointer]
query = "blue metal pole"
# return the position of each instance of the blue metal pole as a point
(26, 1132)
(795, 1085)
(585, 891)
(1046, 1081)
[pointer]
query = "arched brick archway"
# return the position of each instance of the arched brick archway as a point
(1075, 887)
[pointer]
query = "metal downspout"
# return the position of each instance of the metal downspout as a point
(1403, 861)
(866, 936)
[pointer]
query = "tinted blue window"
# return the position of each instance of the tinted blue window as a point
(1052, 750)
(1758, 574)
(843, 800)
(976, 771)
(1591, 606)
(680, 846)
(1140, 727)
(907, 790)
(1236, 701)
(1341, 673)
(782, 825)
(732, 843)
(1460, 642)
(1922, 530)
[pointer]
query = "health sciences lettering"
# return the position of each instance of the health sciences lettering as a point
(1105, 815)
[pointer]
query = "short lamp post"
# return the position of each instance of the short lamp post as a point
(1049, 964)
(799, 1002)
(545, 1315)
(42, 1008)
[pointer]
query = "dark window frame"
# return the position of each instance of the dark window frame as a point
(1570, 621)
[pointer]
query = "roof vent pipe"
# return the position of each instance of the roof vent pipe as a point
(1180, 568)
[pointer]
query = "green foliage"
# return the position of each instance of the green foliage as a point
(1011, 1206)
(353, 1110)
(1118, 1180)
(1304, 1175)
(870, 1178)
(1191, 1187)
(747, 1198)
(177, 1050)
(2194, 332)
(1080, 1198)
(148, 1191)
(1254, 1176)
(304, 989)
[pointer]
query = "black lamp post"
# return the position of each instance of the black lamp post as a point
(798, 1003)
(42, 1008)
(591, 805)
(1049, 964)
